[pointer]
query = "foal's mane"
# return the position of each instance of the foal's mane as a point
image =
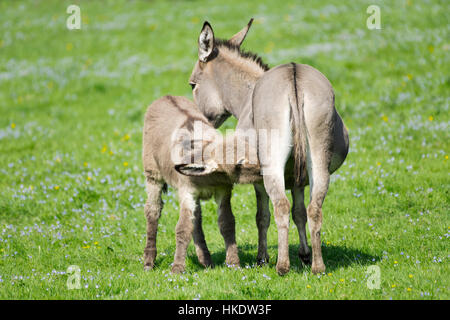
(244, 54)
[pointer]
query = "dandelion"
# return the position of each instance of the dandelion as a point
(378, 163)
(331, 290)
(395, 262)
(85, 164)
(430, 118)
(86, 247)
(385, 118)
(111, 153)
(126, 137)
(308, 286)
(341, 280)
(410, 276)
(393, 286)
(104, 149)
(56, 187)
(330, 274)
(446, 157)
(69, 46)
(89, 178)
(125, 164)
(430, 48)
(13, 125)
(96, 243)
(409, 289)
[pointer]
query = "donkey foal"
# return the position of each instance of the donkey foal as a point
(164, 120)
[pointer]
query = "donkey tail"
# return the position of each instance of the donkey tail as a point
(298, 127)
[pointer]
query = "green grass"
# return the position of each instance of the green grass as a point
(71, 183)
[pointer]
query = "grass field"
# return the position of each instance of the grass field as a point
(71, 181)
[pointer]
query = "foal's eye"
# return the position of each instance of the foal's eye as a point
(192, 85)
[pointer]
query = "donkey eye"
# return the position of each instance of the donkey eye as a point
(192, 85)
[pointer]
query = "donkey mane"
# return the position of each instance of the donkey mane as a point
(244, 54)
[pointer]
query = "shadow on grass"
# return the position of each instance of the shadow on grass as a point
(334, 257)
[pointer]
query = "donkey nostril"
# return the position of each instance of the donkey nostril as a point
(192, 85)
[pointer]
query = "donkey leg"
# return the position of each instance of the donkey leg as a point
(274, 184)
(204, 257)
(183, 230)
(300, 218)
(263, 222)
(226, 223)
(153, 207)
(319, 187)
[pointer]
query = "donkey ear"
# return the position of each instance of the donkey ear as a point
(205, 42)
(193, 169)
(239, 37)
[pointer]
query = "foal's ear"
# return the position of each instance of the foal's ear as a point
(205, 42)
(239, 37)
(194, 169)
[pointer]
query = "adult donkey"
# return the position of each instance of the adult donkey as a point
(298, 101)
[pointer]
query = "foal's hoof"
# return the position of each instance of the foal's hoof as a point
(282, 268)
(148, 268)
(318, 268)
(233, 261)
(177, 268)
(305, 258)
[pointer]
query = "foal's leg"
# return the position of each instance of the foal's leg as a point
(263, 222)
(183, 230)
(299, 216)
(227, 226)
(204, 257)
(153, 207)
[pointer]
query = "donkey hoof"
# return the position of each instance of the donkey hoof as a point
(282, 268)
(206, 262)
(262, 262)
(318, 268)
(177, 268)
(305, 258)
(233, 262)
(148, 267)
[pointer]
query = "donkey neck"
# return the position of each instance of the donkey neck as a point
(238, 101)
(240, 73)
